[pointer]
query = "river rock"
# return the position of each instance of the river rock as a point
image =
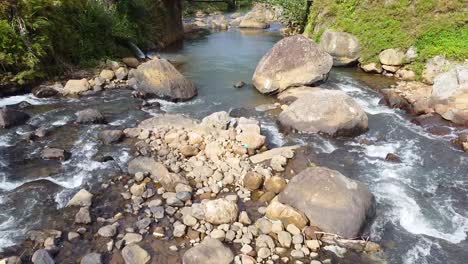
(83, 216)
(331, 201)
(90, 116)
(433, 67)
(158, 171)
(10, 117)
(286, 214)
(332, 112)
(134, 254)
(76, 87)
(107, 75)
(372, 67)
(41, 256)
(209, 251)
(218, 120)
(255, 19)
(131, 62)
(45, 91)
(253, 181)
(406, 75)
(293, 61)
(158, 77)
(108, 231)
(54, 154)
(92, 258)
(392, 57)
(220, 211)
(342, 46)
(110, 136)
(121, 73)
(450, 84)
(81, 198)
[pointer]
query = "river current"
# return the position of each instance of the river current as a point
(422, 214)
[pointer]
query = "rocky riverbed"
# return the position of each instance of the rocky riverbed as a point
(219, 173)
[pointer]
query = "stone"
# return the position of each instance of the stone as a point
(286, 214)
(254, 19)
(10, 117)
(143, 223)
(246, 249)
(269, 154)
(138, 189)
(406, 75)
(278, 162)
(264, 225)
(220, 211)
(263, 253)
(107, 75)
(209, 251)
(83, 216)
(434, 67)
(275, 184)
(218, 234)
(450, 84)
(239, 84)
(372, 67)
(188, 151)
(335, 113)
(293, 61)
(76, 87)
(285, 239)
(390, 69)
(313, 245)
(131, 62)
(131, 238)
(90, 116)
(110, 136)
(179, 230)
(189, 220)
(46, 91)
(331, 201)
(218, 120)
(92, 258)
(55, 154)
(264, 241)
(244, 218)
(108, 231)
(158, 77)
(253, 181)
(158, 172)
(121, 73)
(134, 254)
(393, 57)
(342, 46)
(72, 236)
(41, 256)
(81, 198)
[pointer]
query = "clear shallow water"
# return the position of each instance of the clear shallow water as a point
(421, 203)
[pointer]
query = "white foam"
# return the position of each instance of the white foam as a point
(275, 136)
(22, 98)
(169, 106)
(418, 253)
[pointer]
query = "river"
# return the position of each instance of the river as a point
(422, 214)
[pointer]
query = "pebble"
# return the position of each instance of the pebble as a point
(297, 254)
(293, 229)
(107, 231)
(246, 249)
(218, 234)
(263, 253)
(284, 238)
(298, 239)
(179, 230)
(189, 220)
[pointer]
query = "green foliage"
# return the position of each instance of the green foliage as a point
(294, 10)
(433, 26)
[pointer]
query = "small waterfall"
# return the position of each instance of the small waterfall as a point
(138, 52)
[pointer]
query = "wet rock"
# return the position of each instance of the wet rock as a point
(83, 216)
(342, 46)
(218, 120)
(220, 211)
(253, 181)
(209, 251)
(278, 162)
(81, 198)
(333, 202)
(72, 236)
(55, 154)
(335, 113)
(372, 67)
(41, 256)
(393, 57)
(293, 61)
(76, 87)
(134, 254)
(90, 116)
(239, 84)
(131, 62)
(393, 158)
(286, 214)
(110, 136)
(10, 118)
(275, 184)
(131, 238)
(46, 91)
(121, 73)
(108, 231)
(160, 78)
(92, 258)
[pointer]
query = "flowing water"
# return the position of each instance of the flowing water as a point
(421, 202)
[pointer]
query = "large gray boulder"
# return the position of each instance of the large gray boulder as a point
(209, 251)
(332, 112)
(343, 47)
(293, 61)
(331, 201)
(10, 117)
(158, 77)
(450, 84)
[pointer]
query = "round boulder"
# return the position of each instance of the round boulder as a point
(332, 112)
(331, 201)
(293, 61)
(220, 211)
(343, 47)
(393, 57)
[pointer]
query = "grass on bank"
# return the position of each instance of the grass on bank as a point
(434, 27)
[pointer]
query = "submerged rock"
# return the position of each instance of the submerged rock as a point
(10, 117)
(41, 256)
(134, 254)
(344, 47)
(331, 201)
(293, 61)
(209, 251)
(92, 258)
(158, 77)
(110, 136)
(55, 154)
(90, 116)
(332, 112)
